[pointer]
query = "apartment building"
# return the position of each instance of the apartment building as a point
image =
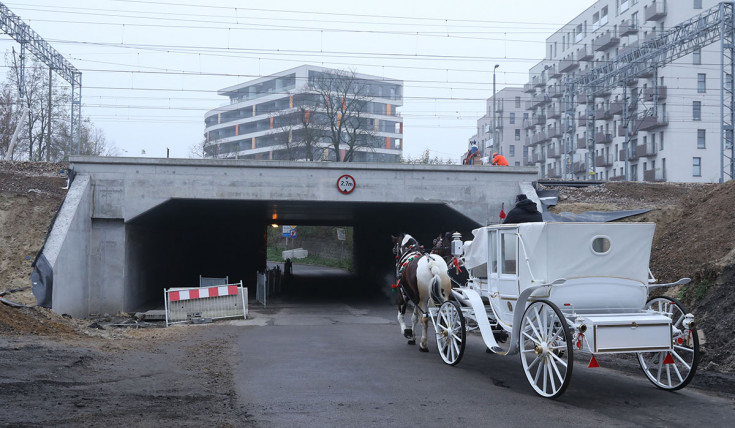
(267, 118)
(510, 112)
(662, 126)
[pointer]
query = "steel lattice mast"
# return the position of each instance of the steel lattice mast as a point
(12, 25)
(713, 25)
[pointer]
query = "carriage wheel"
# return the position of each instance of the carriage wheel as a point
(546, 348)
(451, 332)
(672, 370)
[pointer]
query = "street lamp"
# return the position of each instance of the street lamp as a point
(495, 141)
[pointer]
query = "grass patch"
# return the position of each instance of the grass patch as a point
(274, 254)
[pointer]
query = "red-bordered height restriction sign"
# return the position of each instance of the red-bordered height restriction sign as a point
(346, 184)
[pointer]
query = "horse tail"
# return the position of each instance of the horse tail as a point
(436, 282)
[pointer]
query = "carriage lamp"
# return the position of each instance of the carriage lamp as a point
(456, 244)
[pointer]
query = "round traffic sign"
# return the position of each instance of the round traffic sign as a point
(346, 184)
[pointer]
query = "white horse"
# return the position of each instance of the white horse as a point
(422, 279)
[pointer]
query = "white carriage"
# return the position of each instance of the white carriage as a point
(548, 290)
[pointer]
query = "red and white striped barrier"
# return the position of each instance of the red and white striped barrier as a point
(224, 301)
(200, 293)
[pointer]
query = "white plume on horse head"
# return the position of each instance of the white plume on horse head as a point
(406, 238)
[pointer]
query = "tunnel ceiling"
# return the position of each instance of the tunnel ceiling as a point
(389, 216)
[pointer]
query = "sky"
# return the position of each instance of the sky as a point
(151, 68)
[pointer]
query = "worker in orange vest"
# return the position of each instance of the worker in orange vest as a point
(499, 160)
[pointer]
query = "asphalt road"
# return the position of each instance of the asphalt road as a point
(347, 365)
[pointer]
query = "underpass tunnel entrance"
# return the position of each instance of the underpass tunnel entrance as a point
(174, 243)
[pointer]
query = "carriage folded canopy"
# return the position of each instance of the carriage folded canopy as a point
(569, 250)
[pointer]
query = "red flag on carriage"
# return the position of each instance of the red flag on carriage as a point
(502, 211)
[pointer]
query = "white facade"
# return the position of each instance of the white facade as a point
(681, 143)
(510, 111)
(257, 123)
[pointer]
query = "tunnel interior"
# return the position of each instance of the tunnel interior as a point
(174, 243)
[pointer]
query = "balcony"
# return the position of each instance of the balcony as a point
(654, 175)
(616, 107)
(633, 130)
(628, 49)
(649, 36)
(567, 65)
(553, 72)
(655, 10)
(579, 167)
(602, 138)
(628, 28)
(536, 158)
(606, 41)
(555, 92)
(529, 88)
(617, 178)
(539, 119)
(528, 124)
(553, 113)
(581, 143)
(651, 122)
(538, 137)
(621, 155)
(539, 82)
(603, 161)
(554, 132)
(602, 114)
(553, 173)
(553, 153)
(581, 100)
(585, 53)
(662, 92)
(536, 101)
(645, 150)
(582, 121)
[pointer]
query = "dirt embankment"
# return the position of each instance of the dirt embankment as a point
(694, 239)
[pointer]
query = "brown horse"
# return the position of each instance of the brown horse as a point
(422, 279)
(443, 247)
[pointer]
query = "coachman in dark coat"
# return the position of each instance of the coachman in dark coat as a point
(525, 211)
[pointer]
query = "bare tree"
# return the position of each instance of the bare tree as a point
(300, 135)
(426, 159)
(340, 111)
(45, 132)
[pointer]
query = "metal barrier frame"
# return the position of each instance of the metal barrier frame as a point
(241, 291)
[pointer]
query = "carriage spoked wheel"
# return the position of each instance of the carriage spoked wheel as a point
(546, 348)
(451, 332)
(672, 370)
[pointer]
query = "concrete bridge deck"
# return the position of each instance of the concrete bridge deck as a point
(131, 227)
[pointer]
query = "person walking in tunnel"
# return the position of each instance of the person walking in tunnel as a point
(525, 211)
(499, 160)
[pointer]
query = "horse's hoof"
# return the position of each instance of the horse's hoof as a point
(423, 349)
(407, 333)
(411, 341)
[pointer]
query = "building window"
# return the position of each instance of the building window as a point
(696, 110)
(661, 141)
(512, 118)
(696, 167)
(518, 163)
(700, 138)
(697, 57)
(701, 83)
(512, 148)
(697, 4)
(517, 136)
(518, 102)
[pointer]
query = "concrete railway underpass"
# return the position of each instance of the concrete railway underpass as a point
(130, 228)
